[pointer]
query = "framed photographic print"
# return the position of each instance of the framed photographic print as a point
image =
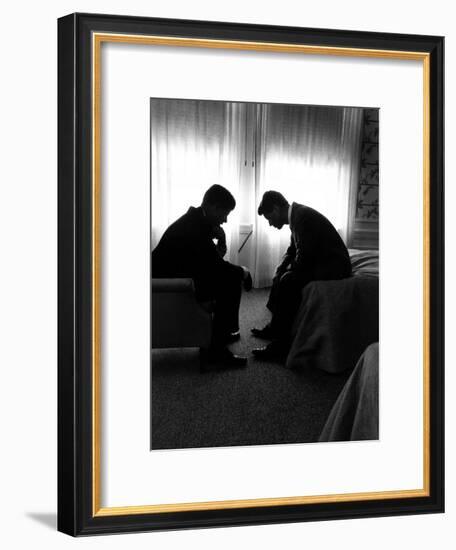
(250, 274)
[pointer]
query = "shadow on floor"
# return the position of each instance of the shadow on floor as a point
(48, 520)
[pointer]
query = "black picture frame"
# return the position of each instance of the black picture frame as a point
(76, 491)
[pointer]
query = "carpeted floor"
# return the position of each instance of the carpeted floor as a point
(261, 404)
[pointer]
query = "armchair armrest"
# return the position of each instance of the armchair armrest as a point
(178, 319)
(173, 285)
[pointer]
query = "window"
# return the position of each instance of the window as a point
(308, 153)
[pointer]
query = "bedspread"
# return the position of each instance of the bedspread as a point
(336, 322)
(355, 415)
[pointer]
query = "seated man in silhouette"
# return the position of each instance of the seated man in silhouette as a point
(187, 249)
(316, 252)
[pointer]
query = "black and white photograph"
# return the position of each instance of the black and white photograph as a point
(264, 273)
(226, 240)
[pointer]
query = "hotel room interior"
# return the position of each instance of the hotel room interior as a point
(326, 157)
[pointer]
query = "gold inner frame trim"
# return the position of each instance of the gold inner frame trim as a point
(426, 273)
(97, 40)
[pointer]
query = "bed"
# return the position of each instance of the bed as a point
(355, 416)
(338, 320)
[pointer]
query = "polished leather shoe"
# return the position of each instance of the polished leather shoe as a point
(224, 358)
(232, 337)
(265, 332)
(275, 352)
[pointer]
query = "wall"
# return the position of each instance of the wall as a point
(28, 276)
(365, 230)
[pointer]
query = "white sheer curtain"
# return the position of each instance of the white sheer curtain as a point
(308, 153)
(194, 144)
(311, 155)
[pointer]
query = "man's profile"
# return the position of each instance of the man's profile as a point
(187, 249)
(316, 252)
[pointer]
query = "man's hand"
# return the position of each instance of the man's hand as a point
(219, 235)
(279, 272)
(247, 279)
(277, 275)
(221, 249)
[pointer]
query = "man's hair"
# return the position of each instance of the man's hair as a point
(219, 196)
(269, 200)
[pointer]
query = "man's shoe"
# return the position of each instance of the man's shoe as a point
(275, 352)
(224, 358)
(232, 337)
(265, 332)
(228, 338)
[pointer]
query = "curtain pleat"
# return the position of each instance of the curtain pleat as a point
(310, 155)
(194, 144)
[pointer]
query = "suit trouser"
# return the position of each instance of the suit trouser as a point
(226, 293)
(284, 301)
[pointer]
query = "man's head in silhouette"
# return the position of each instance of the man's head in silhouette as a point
(217, 203)
(274, 207)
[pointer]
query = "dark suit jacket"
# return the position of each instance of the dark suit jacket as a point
(316, 251)
(186, 249)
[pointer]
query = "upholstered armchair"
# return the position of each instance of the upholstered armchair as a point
(178, 320)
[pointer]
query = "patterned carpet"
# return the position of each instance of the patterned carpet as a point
(261, 404)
